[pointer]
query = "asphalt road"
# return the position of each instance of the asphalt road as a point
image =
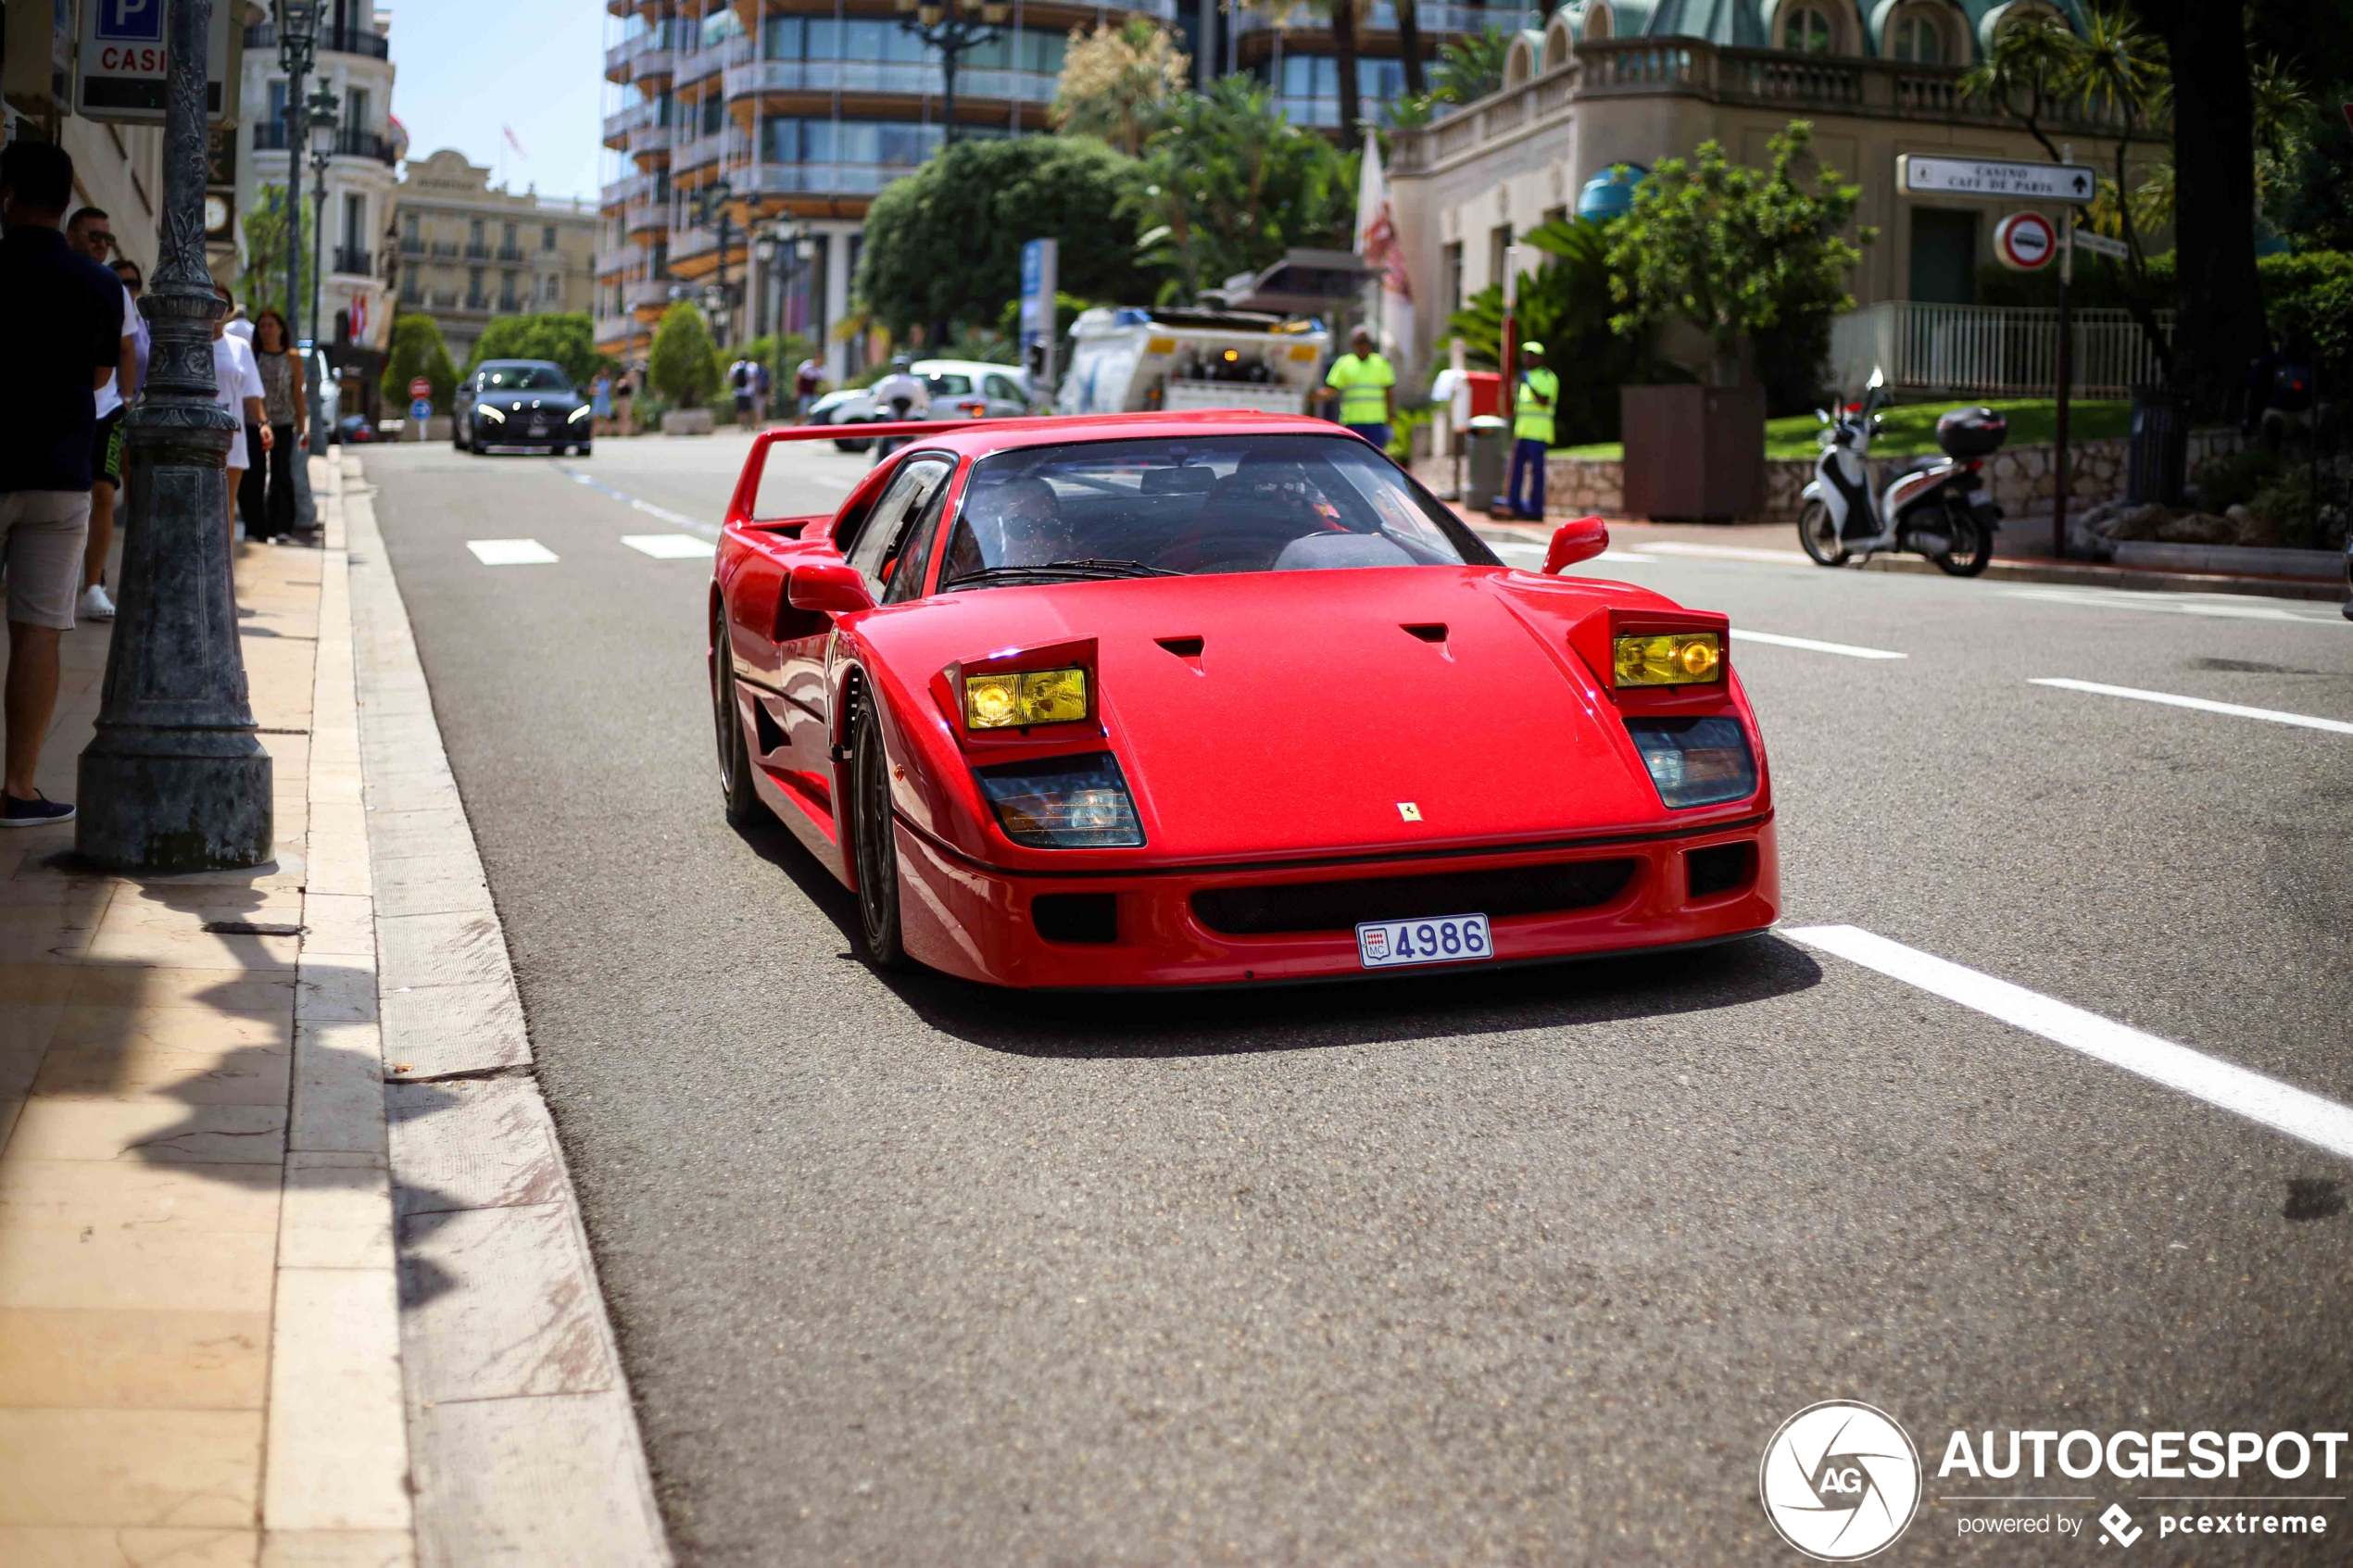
(1511, 1267)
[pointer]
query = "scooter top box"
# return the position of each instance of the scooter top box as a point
(1971, 432)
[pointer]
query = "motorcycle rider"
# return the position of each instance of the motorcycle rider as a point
(900, 395)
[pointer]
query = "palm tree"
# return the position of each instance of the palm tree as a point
(1409, 46)
(2028, 72)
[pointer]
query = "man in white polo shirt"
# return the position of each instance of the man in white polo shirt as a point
(236, 386)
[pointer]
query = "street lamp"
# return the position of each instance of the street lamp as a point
(297, 43)
(782, 242)
(175, 779)
(322, 146)
(710, 202)
(952, 27)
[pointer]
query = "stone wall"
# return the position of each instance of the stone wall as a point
(2020, 478)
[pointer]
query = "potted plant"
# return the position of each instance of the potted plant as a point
(683, 368)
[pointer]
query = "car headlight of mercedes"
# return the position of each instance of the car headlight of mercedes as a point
(1064, 802)
(495, 416)
(1695, 762)
(578, 414)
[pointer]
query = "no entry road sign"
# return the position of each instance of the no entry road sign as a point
(2025, 242)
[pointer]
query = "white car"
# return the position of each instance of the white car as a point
(961, 389)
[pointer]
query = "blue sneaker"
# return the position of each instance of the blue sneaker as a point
(37, 812)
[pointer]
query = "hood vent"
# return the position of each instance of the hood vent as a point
(1186, 648)
(1428, 632)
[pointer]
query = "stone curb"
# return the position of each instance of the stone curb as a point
(522, 1440)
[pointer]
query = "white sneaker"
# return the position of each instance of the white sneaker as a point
(94, 605)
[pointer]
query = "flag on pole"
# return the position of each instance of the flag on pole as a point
(508, 132)
(1377, 243)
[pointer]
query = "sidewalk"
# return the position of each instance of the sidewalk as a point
(205, 1313)
(2018, 556)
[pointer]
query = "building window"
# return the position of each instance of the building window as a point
(411, 232)
(1806, 30)
(354, 109)
(548, 234)
(1450, 288)
(1499, 252)
(473, 287)
(551, 288)
(355, 221)
(1918, 38)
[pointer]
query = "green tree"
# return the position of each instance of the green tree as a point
(943, 245)
(684, 366)
(1468, 68)
(262, 285)
(1228, 184)
(1564, 305)
(1734, 251)
(567, 337)
(416, 350)
(1114, 81)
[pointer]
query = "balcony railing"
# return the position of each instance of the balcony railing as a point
(645, 216)
(653, 294)
(730, 146)
(270, 136)
(443, 299)
(839, 178)
(649, 138)
(1431, 19)
(414, 245)
(611, 259)
(861, 76)
(510, 253)
(477, 250)
(703, 64)
(355, 261)
(449, 248)
(478, 301)
(331, 40)
(632, 188)
(621, 121)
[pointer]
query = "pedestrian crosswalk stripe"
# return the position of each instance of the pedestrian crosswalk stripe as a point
(671, 546)
(2236, 710)
(510, 552)
(2283, 1107)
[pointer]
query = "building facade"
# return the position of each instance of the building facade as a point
(1611, 82)
(806, 107)
(463, 252)
(344, 305)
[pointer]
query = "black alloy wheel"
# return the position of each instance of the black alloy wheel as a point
(877, 843)
(1972, 550)
(745, 808)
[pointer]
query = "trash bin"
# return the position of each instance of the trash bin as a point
(2157, 463)
(1487, 451)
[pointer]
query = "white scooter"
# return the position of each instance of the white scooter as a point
(1941, 510)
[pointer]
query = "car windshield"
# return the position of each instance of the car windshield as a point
(1196, 507)
(523, 378)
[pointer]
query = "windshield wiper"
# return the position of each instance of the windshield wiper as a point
(1090, 568)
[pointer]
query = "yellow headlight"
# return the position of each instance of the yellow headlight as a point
(1036, 697)
(1677, 658)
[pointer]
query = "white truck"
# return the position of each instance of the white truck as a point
(1128, 359)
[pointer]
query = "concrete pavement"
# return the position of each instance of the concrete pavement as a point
(1522, 1266)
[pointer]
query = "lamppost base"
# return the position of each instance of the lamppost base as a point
(158, 801)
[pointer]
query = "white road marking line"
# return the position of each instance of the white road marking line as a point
(671, 546)
(677, 519)
(1849, 649)
(2283, 1107)
(510, 552)
(2236, 710)
(2213, 606)
(1727, 552)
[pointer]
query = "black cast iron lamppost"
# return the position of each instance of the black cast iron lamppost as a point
(175, 780)
(323, 147)
(298, 40)
(952, 28)
(711, 202)
(783, 243)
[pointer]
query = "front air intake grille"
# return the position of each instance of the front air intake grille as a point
(1720, 869)
(1076, 917)
(1342, 906)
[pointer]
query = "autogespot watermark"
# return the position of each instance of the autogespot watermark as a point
(1842, 1481)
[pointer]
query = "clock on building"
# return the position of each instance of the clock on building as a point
(216, 216)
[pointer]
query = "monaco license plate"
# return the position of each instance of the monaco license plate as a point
(1386, 944)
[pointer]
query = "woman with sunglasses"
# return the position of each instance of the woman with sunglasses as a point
(288, 418)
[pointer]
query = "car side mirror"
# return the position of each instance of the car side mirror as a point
(1582, 539)
(833, 587)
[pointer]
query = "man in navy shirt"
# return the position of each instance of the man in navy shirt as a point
(65, 319)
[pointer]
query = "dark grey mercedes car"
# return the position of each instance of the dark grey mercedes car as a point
(527, 405)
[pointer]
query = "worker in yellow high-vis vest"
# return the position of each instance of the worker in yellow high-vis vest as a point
(1535, 400)
(1368, 389)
